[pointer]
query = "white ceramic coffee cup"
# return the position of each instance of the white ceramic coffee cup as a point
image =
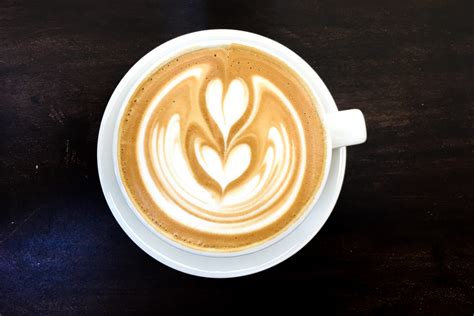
(343, 128)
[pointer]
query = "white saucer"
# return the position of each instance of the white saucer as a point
(198, 264)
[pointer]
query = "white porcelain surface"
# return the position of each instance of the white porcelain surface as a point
(196, 263)
(347, 128)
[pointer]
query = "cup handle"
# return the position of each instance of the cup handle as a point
(347, 128)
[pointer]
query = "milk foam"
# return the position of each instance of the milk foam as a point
(227, 157)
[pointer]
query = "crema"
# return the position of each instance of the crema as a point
(221, 149)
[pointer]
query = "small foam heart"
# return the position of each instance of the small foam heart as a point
(228, 110)
(235, 165)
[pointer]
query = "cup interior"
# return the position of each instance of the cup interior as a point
(213, 38)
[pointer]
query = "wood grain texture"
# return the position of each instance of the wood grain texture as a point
(401, 238)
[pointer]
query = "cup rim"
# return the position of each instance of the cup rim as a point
(214, 38)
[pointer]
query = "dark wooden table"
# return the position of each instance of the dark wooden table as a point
(401, 238)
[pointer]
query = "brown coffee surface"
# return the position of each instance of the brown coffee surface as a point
(221, 149)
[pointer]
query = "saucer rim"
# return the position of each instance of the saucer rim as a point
(212, 266)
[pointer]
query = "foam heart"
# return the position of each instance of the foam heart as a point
(225, 172)
(228, 110)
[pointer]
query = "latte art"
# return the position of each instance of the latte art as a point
(214, 148)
